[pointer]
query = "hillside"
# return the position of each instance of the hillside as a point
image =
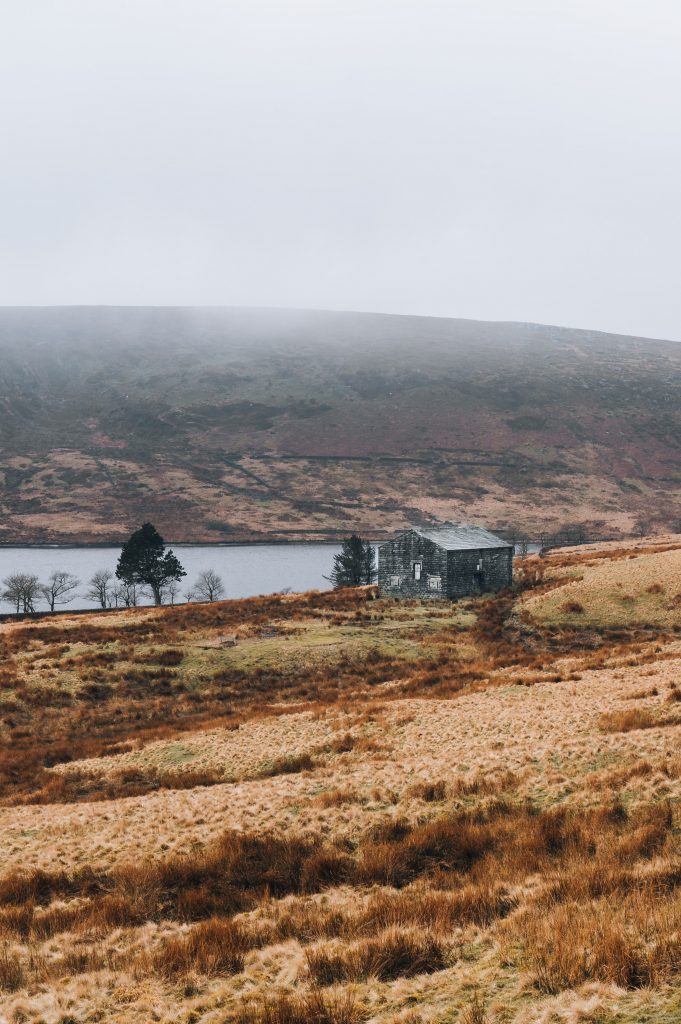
(363, 812)
(236, 424)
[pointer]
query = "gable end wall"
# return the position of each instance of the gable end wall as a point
(396, 558)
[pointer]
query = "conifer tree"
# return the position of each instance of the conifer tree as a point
(144, 560)
(355, 564)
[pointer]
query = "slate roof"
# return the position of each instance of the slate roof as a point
(462, 537)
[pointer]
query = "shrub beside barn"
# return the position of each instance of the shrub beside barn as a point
(449, 561)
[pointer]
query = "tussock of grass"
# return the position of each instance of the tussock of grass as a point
(475, 1012)
(315, 1007)
(431, 792)
(395, 954)
(337, 798)
(289, 765)
(628, 720)
(214, 947)
(81, 786)
(633, 945)
(12, 973)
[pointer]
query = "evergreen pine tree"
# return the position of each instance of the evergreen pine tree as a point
(355, 564)
(144, 560)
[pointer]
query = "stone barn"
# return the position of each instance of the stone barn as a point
(449, 561)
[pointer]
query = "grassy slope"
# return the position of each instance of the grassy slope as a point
(436, 808)
(224, 424)
(626, 589)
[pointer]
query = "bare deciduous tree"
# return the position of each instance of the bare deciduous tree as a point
(59, 589)
(12, 590)
(127, 595)
(100, 588)
(21, 590)
(171, 590)
(31, 592)
(208, 586)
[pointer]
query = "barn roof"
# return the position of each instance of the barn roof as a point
(462, 537)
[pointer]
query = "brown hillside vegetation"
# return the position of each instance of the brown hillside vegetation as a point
(227, 424)
(364, 811)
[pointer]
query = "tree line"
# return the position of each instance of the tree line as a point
(147, 569)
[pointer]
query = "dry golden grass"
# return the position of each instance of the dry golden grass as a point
(634, 588)
(432, 815)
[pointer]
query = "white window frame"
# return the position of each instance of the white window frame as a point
(435, 583)
(395, 581)
(417, 569)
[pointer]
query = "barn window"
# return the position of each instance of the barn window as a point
(417, 570)
(395, 581)
(435, 583)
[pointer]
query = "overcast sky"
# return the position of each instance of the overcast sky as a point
(496, 159)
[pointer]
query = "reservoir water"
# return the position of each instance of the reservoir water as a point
(246, 569)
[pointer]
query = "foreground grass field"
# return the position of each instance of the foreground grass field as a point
(334, 809)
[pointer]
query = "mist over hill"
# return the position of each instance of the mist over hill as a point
(235, 424)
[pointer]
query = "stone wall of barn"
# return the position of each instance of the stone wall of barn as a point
(444, 574)
(396, 567)
(479, 572)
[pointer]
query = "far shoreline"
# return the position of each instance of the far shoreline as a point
(94, 545)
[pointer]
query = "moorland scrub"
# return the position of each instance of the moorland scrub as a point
(362, 810)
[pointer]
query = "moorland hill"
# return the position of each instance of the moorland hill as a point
(223, 424)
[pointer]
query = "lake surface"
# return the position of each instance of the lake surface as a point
(246, 569)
